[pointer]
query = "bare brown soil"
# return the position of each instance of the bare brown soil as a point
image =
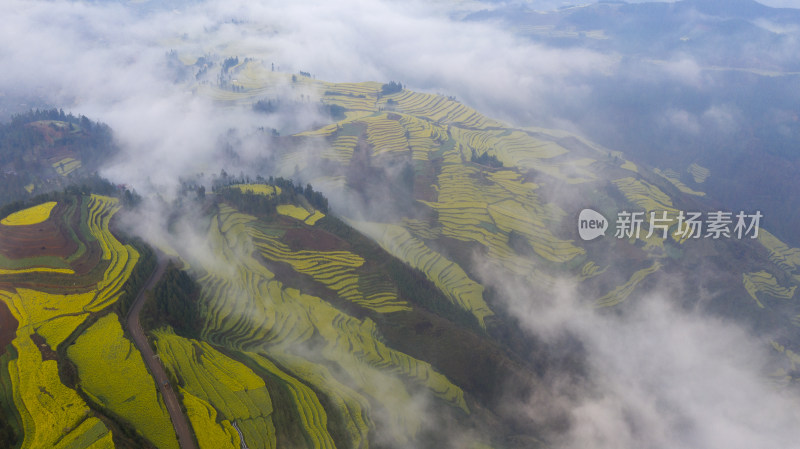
(313, 240)
(44, 348)
(8, 327)
(44, 239)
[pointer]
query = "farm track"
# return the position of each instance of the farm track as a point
(179, 421)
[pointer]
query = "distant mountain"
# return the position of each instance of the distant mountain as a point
(713, 30)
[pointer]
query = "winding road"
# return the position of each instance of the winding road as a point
(179, 421)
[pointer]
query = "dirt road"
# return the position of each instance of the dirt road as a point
(179, 421)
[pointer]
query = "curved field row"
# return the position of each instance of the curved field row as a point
(249, 310)
(254, 76)
(763, 282)
(66, 166)
(509, 146)
(228, 388)
(35, 309)
(513, 183)
(351, 102)
(385, 135)
(353, 406)
(334, 269)
(440, 109)
(475, 206)
(50, 411)
(590, 270)
(781, 254)
(422, 229)
(122, 257)
(353, 96)
(512, 216)
(312, 414)
(423, 136)
(516, 148)
(360, 339)
(338, 127)
(314, 218)
(674, 179)
(645, 195)
(113, 374)
(52, 414)
(700, 174)
(367, 88)
(622, 292)
(342, 149)
(446, 275)
(628, 165)
(294, 159)
(30, 216)
(466, 183)
(203, 417)
(37, 270)
(296, 212)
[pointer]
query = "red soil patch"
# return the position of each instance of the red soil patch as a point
(43, 239)
(49, 133)
(8, 327)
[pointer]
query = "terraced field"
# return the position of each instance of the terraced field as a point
(219, 391)
(763, 282)
(445, 274)
(52, 414)
(114, 376)
(249, 311)
(674, 179)
(700, 174)
(781, 254)
(440, 109)
(66, 166)
(622, 292)
(499, 203)
(334, 269)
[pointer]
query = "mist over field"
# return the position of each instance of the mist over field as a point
(660, 373)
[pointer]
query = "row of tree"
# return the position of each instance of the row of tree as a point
(290, 193)
(174, 301)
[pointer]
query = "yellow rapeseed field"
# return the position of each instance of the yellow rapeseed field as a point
(30, 216)
(113, 373)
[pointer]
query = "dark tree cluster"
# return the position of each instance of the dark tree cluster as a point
(486, 159)
(174, 301)
(306, 74)
(8, 438)
(26, 149)
(270, 106)
(141, 273)
(391, 87)
(262, 204)
(266, 106)
(230, 63)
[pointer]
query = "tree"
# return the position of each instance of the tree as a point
(391, 88)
